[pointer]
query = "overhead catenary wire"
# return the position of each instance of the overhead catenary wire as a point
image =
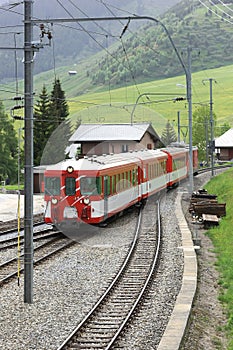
(219, 8)
(216, 14)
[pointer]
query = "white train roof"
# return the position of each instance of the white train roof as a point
(108, 160)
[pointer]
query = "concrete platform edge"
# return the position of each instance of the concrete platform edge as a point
(175, 330)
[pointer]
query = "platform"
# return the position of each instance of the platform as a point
(9, 205)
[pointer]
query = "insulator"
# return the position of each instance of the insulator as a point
(17, 117)
(49, 35)
(16, 107)
(18, 98)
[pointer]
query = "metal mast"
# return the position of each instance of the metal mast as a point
(28, 152)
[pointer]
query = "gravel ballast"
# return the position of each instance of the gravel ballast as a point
(68, 285)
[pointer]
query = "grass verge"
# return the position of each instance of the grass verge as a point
(222, 237)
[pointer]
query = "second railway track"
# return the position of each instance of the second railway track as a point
(54, 244)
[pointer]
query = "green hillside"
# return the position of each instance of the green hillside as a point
(115, 105)
(149, 55)
(153, 68)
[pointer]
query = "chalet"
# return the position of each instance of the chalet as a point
(224, 146)
(114, 138)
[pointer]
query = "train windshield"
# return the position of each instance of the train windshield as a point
(52, 186)
(70, 186)
(90, 185)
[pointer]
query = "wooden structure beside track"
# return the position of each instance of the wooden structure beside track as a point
(206, 208)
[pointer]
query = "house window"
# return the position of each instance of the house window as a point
(124, 148)
(149, 146)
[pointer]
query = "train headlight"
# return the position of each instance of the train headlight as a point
(54, 201)
(70, 169)
(86, 200)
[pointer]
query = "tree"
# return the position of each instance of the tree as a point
(51, 127)
(58, 107)
(168, 135)
(54, 150)
(8, 147)
(201, 130)
(221, 129)
(42, 126)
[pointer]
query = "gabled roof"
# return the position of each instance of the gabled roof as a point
(112, 132)
(225, 140)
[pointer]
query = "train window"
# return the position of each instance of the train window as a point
(113, 184)
(144, 171)
(52, 186)
(109, 186)
(90, 185)
(129, 180)
(70, 186)
(135, 177)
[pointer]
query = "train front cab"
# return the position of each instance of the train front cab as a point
(90, 193)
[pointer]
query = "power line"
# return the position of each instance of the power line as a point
(208, 8)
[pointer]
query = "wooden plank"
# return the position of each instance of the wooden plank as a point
(218, 209)
(209, 217)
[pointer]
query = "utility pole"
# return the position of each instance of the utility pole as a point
(28, 152)
(178, 125)
(211, 127)
(211, 146)
(189, 98)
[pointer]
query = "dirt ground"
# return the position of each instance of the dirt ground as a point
(207, 321)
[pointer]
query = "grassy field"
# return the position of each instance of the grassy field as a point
(222, 237)
(106, 104)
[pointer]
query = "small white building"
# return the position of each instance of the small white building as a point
(224, 146)
(72, 72)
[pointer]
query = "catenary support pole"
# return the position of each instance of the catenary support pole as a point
(28, 152)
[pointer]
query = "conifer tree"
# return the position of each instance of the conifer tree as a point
(168, 135)
(58, 108)
(52, 128)
(42, 127)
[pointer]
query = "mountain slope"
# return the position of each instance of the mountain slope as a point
(148, 55)
(71, 41)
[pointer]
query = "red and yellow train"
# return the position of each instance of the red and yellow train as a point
(93, 189)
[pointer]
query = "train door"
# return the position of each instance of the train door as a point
(106, 193)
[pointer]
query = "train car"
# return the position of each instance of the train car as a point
(178, 162)
(92, 189)
(177, 165)
(195, 160)
(154, 171)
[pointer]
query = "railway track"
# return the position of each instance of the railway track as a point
(54, 244)
(108, 318)
(11, 225)
(12, 240)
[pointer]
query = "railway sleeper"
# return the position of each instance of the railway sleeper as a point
(87, 345)
(97, 327)
(107, 322)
